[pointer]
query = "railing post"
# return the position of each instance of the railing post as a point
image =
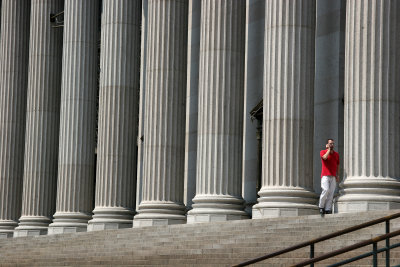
(387, 226)
(312, 254)
(387, 244)
(375, 255)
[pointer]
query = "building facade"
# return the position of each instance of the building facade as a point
(130, 113)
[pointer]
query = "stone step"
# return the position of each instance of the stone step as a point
(207, 236)
(205, 244)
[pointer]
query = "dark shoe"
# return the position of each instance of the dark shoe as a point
(322, 212)
(328, 212)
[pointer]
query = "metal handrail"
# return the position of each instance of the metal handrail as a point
(312, 242)
(364, 243)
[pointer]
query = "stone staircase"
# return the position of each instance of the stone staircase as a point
(208, 244)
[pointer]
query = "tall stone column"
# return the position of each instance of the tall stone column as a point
(42, 120)
(77, 117)
(118, 114)
(220, 120)
(372, 107)
(288, 114)
(14, 49)
(164, 124)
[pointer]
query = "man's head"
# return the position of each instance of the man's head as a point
(330, 143)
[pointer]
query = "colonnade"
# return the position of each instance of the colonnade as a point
(135, 113)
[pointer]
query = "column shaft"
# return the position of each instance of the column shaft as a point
(77, 117)
(220, 118)
(287, 181)
(372, 107)
(42, 120)
(164, 124)
(14, 49)
(118, 114)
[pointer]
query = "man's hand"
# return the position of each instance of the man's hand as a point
(337, 179)
(329, 148)
(324, 157)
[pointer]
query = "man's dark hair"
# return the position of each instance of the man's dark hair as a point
(327, 140)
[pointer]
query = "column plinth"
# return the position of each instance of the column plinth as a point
(164, 111)
(209, 208)
(111, 218)
(285, 201)
(372, 107)
(69, 222)
(161, 213)
(368, 193)
(288, 114)
(220, 113)
(32, 226)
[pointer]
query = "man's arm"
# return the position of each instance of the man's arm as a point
(324, 157)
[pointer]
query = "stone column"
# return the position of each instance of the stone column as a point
(372, 107)
(164, 124)
(14, 48)
(118, 114)
(77, 117)
(42, 120)
(220, 120)
(288, 113)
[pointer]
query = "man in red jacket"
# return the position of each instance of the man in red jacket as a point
(329, 177)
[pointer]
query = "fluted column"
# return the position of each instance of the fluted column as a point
(220, 120)
(287, 171)
(372, 107)
(77, 117)
(42, 120)
(164, 124)
(14, 48)
(118, 114)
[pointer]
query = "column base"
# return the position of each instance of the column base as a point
(360, 194)
(110, 219)
(32, 226)
(360, 206)
(69, 222)
(285, 202)
(7, 228)
(216, 208)
(152, 213)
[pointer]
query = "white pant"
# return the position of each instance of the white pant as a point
(328, 185)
